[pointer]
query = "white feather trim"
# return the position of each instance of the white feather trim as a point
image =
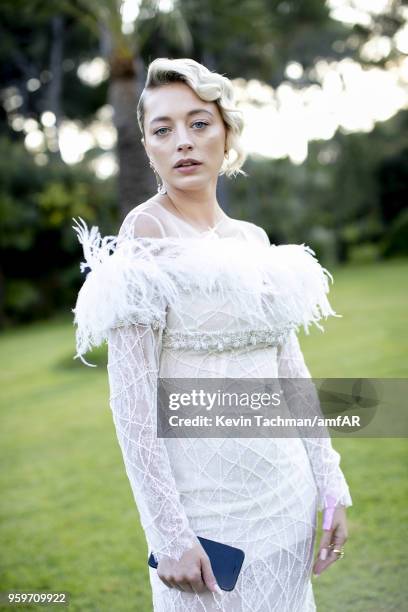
(270, 287)
(121, 288)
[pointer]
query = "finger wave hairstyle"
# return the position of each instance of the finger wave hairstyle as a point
(210, 87)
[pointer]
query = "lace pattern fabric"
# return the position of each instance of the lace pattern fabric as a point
(133, 361)
(261, 495)
(324, 459)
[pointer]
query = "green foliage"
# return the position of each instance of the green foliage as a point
(346, 194)
(345, 201)
(364, 253)
(39, 249)
(395, 240)
(56, 202)
(263, 34)
(21, 296)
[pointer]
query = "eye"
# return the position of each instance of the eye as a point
(157, 131)
(202, 122)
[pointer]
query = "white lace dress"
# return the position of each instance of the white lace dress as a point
(176, 302)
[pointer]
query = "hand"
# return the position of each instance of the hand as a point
(337, 536)
(192, 573)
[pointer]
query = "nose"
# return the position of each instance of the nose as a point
(184, 146)
(183, 141)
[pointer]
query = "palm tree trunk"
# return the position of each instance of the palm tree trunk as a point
(56, 57)
(135, 181)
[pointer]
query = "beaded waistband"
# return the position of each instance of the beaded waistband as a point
(222, 341)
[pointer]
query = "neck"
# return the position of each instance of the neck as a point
(199, 207)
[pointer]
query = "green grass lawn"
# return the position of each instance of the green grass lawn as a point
(68, 519)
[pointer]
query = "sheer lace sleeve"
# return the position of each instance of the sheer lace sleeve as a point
(325, 461)
(133, 366)
(133, 359)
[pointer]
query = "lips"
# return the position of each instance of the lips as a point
(186, 162)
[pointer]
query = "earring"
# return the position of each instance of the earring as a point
(160, 186)
(161, 189)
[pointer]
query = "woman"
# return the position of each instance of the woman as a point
(190, 292)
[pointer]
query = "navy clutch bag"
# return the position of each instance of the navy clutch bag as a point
(226, 562)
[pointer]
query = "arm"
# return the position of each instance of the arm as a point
(133, 366)
(123, 301)
(325, 461)
(133, 360)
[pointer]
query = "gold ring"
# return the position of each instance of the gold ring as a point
(340, 551)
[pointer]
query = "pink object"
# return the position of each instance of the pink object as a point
(328, 512)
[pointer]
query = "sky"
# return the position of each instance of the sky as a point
(279, 122)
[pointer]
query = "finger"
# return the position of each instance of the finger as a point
(198, 587)
(194, 584)
(175, 583)
(166, 582)
(208, 575)
(320, 566)
(324, 544)
(332, 558)
(186, 586)
(338, 539)
(197, 584)
(323, 551)
(178, 587)
(326, 537)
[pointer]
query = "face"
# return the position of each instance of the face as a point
(177, 125)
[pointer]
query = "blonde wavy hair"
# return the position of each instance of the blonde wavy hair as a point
(210, 87)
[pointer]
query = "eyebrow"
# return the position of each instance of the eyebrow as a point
(195, 111)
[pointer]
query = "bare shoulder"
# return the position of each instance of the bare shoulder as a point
(254, 231)
(143, 220)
